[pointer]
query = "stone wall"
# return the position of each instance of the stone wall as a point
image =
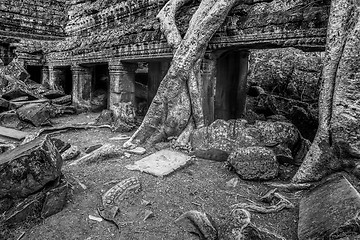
(39, 19)
(129, 29)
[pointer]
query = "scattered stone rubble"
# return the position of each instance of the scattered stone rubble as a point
(31, 182)
(24, 101)
(255, 149)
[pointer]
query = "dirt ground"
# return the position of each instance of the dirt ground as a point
(199, 186)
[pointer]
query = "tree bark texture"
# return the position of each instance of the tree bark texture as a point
(177, 103)
(339, 105)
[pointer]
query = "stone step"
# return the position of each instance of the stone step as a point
(326, 208)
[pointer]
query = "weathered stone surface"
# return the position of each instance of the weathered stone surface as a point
(53, 94)
(10, 119)
(35, 113)
(4, 104)
(25, 209)
(326, 208)
(302, 114)
(254, 163)
(92, 148)
(27, 168)
(232, 135)
(55, 199)
(161, 163)
(5, 204)
(106, 117)
(71, 153)
(65, 100)
(198, 223)
(60, 145)
(211, 154)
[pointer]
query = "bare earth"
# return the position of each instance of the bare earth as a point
(200, 186)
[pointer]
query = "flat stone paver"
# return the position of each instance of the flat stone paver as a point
(161, 163)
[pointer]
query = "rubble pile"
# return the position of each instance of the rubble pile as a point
(23, 101)
(31, 182)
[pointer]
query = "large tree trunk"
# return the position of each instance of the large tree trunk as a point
(177, 105)
(339, 107)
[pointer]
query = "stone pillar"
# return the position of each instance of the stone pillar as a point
(122, 83)
(208, 75)
(81, 91)
(242, 84)
(45, 75)
(51, 76)
(157, 71)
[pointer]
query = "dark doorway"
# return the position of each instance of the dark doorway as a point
(35, 73)
(231, 75)
(141, 89)
(100, 87)
(64, 79)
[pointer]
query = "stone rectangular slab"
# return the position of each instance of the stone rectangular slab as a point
(326, 208)
(161, 163)
(12, 133)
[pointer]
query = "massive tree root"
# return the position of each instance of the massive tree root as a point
(338, 118)
(177, 104)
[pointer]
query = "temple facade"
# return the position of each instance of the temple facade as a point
(103, 53)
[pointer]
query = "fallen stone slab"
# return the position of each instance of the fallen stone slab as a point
(52, 94)
(229, 136)
(55, 199)
(19, 91)
(254, 163)
(16, 105)
(92, 148)
(36, 113)
(161, 163)
(13, 133)
(71, 153)
(4, 104)
(211, 154)
(10, 119)
(137, 150)
(29, 167)
(327, 208)
(65, 100)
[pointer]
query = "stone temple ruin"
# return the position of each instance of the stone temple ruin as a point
(260, 80)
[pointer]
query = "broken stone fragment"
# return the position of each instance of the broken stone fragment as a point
(29, 167)
(232, 135)
(27, 208)
(92, 148)
(161, 163)
(4, 104)
(137, 150)
(327, 208)
(35, 113)
(55, 199)
(65, 100)
(70, 153)
(254, 163)
(211, 154)
(10, 119)
(60, 145)
(198, 223)
(52, 94)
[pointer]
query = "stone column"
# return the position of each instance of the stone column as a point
(242, 85)
(45, 75)
(122, 83)
(81, 91)
(51, 76)
(208, 75)
(157, 71)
